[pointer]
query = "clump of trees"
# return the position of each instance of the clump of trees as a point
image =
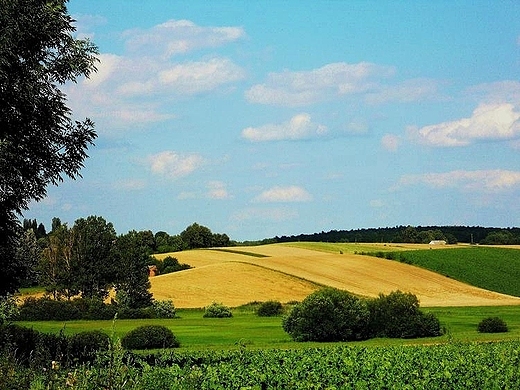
(168, 265)
(335, 315)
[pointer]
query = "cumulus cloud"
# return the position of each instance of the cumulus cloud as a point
(505, 91)
(488, 122)
(175, 37)
(174, 165)
(306, 87)
(217, 190)
(299, 127)
(149, 72)
(200, 76)
(479, 181)
(284, 194)
(405, 92)
(390, 142)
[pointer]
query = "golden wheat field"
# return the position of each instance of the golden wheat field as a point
(288, 273)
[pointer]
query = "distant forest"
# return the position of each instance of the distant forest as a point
(412, 234)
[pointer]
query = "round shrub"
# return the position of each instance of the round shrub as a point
(328, 315)
(164, 309)
(84, 346)
(397, 315)
(492, 325)
(270, 309)
(217, 310)
(149, 337)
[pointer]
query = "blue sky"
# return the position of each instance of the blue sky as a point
(264, 118)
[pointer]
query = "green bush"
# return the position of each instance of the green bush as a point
(270, 309)
(94, 309)
(328, 315)
(217, 310)
(164, 309)
(492, 325)
(127, 313)
(150, 337)
(397, 315)
(83, 347)
(20, 341)
(29, 347)
(46, 309)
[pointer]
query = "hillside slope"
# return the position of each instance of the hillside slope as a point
(290, 273)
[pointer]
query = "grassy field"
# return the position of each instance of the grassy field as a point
(247, 329)
(496, 269)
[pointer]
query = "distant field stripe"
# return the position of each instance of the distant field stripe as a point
(319, 285)
(252, 254)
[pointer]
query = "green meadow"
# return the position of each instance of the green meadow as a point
(496, 269)
(246, 329)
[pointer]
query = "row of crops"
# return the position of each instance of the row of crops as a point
(448, 366)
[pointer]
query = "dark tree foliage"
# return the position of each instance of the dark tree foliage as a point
(40, 143)
(198, 236)
(452, 234)
(95, 264)
(328, 315)
(132, 283)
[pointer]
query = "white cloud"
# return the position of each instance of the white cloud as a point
(108, 64)
(306, 87)
(299, 127)
(505, 91)
(284, 194)
(405, 92)
(488, 122)
(136, 86)
(201, 76)
(217, 190)
(478, 181)
(390, 142)
(173, 164)
(175, 37)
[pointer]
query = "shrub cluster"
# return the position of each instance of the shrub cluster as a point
(47, 309)
(269, 309)
(31, 347)
(397, 315)
(328, 315)
(492, 325)
(335, 315)
(149, 337)
(217, 310)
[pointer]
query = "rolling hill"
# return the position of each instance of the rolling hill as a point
(238, 275)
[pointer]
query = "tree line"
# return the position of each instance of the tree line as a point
(411, 234)
(89, 259)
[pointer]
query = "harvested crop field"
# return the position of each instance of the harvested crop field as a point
(239, 275)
